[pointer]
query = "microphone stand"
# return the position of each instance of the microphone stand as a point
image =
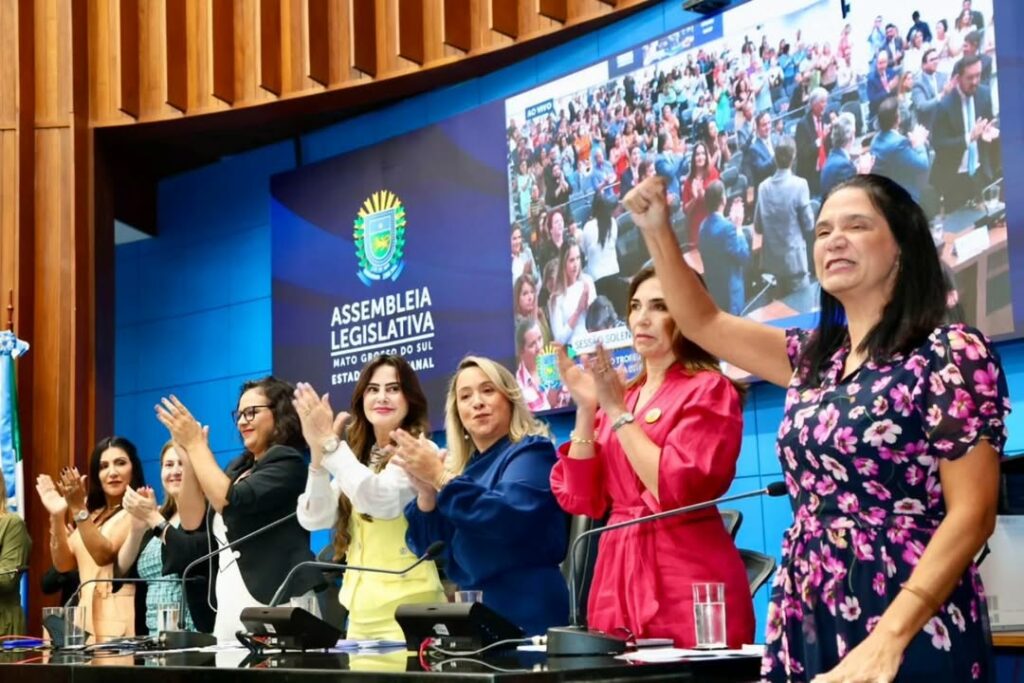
(182, 639)
(576, 639)
(431, 552)
(294, 627)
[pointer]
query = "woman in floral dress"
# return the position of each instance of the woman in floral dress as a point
(893, 427)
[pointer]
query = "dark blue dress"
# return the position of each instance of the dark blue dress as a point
(861, 460)
(504, 532)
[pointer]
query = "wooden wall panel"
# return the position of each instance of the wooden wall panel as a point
(411, 30)
(555, 9)
(270, 45)
(8, 65)
(176, 32)
(458, 24)
(364, 36)
(223, 33)
(295, 48)
(319, 27)
(9, 261)
(153, 58)
(505, 17)
(130, 57)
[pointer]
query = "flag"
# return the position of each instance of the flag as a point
(10, 434)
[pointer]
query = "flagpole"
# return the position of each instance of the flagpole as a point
(10, 310)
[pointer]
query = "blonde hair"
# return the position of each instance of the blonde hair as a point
(3, 493)
(460, 447)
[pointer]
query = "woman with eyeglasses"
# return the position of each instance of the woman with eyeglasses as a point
(256, 489)
(355, 488)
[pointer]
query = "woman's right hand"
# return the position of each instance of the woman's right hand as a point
(141, 505)
(317, 418)
(578, 381)
(647, 204)
(50, 496)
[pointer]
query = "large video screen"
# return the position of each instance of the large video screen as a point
(751, 117)
(406, 246)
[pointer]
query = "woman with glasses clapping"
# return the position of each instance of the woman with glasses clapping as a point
(257, 488)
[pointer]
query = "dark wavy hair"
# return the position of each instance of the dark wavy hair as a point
(95, 498)
(688, 354)
(918, 302)
(287, 427)
(360, 437)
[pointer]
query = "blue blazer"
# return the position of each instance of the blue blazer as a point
(504, 532)
(837, 168)
(725, 254)
(896, 159)
(758, 162)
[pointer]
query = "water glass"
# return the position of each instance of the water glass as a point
(53, 618)
(709, 614)
(469, 596)
(167, 615)
(306, 601)
(74, 625)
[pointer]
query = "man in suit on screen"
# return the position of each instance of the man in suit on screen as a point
(904, 158)
(930, 87)
(963, 134)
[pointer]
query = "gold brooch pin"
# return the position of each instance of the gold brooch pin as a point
(652, 416)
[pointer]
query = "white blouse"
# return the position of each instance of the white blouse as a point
(382, 495)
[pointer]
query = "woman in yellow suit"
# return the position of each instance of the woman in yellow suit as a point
(353, 488)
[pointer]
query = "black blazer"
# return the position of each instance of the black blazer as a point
(267, 494)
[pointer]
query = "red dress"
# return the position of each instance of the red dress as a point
(644, 573)
(696, 215)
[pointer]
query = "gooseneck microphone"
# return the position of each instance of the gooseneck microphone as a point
(575, 639)
(290, 627)
(432, 551)
(181, 638)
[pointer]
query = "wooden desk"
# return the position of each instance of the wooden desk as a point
(1012, 639)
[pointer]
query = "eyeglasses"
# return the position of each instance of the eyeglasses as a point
(248, 413)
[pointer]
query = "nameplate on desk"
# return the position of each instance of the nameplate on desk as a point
(970, 245)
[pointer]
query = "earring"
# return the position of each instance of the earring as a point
(465, 435)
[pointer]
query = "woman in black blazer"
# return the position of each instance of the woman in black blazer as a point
(257, 488)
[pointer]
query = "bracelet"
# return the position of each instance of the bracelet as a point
(580, 440)
(924, 596)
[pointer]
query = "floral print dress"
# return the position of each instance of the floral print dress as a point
(861, 460)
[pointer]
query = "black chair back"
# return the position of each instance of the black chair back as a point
(759, 568)
(732, 519)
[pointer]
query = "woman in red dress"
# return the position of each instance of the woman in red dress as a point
(671, 438)
(702, 173)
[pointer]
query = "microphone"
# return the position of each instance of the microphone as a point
(295, 628)
(181, 638)
(574, 639)
(432, 551)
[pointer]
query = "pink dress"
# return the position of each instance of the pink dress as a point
(644, 574)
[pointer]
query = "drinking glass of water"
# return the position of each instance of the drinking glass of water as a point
(709, 615)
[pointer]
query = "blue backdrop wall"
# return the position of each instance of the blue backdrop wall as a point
(193, 306)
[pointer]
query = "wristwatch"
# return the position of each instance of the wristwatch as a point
(330, 444)
(160, 528)
(622, 420)
(81, 516)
